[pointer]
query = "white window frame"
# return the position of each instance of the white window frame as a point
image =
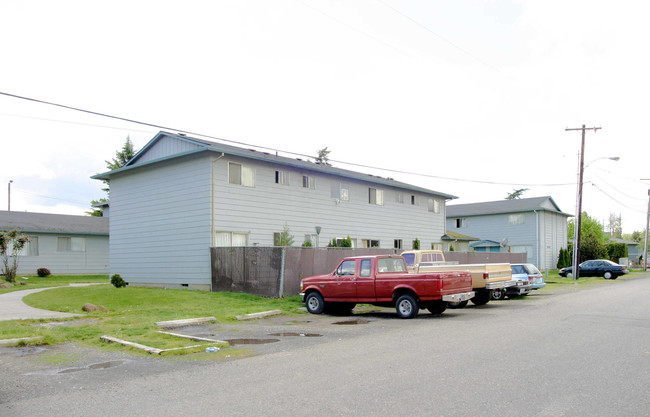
(308, 182)
(340, 191)
(281, 177)
(368, 243)
(459, 223)
(433, 205)
(518, 218)
(228, 238)
(375, 196)
(30, 248)
(70, 244)
(246, 177)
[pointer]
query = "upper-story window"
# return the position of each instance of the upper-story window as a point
(376, 196)
(308, 182)
(517, 218)
(340, 191)
(433, 205)
(459, 223)
(239, 174)
(399, 197)
(282, 177)
(413, 200)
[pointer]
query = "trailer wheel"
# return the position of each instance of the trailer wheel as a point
(438, 307)
(457, 304)
(407, 307)
(314, 303)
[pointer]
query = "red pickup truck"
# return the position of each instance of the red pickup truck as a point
(383, 280)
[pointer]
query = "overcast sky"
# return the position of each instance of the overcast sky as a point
(472, 96)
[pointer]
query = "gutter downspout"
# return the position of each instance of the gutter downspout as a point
(538, 251)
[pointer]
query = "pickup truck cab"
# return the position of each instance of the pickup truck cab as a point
(485, 277)
(384, 280)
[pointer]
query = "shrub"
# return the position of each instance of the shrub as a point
(43, 272)
(117, 281)
(416, 244)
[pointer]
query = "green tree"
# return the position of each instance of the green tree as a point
(11, 243)
(416, 244)
(323, 156)
(616, 251)
(516, 194)
(592, 238)
(342, 243)
(615, 225)
(121, 158)
(285, 238)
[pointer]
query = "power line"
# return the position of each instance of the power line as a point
(74, 123)
(615, 200)
(439, 36)
(274, 149)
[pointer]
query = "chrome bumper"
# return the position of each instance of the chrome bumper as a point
(500, 284)
(462, 296)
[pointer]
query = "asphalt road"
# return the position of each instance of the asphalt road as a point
(558, 353)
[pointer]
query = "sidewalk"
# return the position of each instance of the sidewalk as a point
(13, 308)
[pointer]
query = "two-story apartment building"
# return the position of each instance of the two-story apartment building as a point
(179, 196)
(535, 226)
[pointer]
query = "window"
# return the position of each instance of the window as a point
(431, 258)
(516, 219)
(312, 239)
(281, 177)
(340, 191)
(397, 244)
(433, 206)
(413, 201)
(376, 196)
(391, 265)
(365, 268)
(369, 243)
(239, 174)
(30, 248)
(347, 268)
(436, 246)
(399, 197)
(71, 244)
(230, 239)
(308, 182)
(460, 223)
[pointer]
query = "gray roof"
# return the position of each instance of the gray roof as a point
(53, 223)
(209, 146)
(504, 206)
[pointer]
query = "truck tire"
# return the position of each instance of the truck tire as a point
(481, 297)
(407, 307)
(314, 303)
(438, 307)
(498, 294)
(457, 304)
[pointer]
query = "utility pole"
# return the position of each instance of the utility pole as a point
(645, 246)
(576, 232)
(9, 195)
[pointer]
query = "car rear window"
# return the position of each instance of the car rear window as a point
(518, 269)
(532, 270)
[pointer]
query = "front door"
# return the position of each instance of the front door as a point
(346, 279)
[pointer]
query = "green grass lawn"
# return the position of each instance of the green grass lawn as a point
(28, 282)
(133, 312)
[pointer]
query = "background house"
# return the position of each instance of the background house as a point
(64, 244)
(535, 226)
(634, 249)
(179, 196)
(457, 242)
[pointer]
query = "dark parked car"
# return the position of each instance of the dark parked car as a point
(597, 268)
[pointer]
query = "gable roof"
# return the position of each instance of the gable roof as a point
(195, 145)
(457, 236)
(484, 244)
(53, 223)
(545, 203)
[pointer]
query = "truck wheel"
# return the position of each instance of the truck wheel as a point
(481, 297)
(457, 304)
(407, 307)
(437, 307)
(314, 303)
(497, 294)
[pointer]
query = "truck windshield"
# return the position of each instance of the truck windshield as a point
(409, 258)
(391, 265)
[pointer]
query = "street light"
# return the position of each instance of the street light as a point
(9, 195)
(613, 158)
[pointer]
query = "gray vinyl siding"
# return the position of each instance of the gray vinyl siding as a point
(165, 147)
(267, 207)
(160, 223)
(93, 261)
(544, 235)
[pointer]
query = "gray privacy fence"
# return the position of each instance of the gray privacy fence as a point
(277, 271)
